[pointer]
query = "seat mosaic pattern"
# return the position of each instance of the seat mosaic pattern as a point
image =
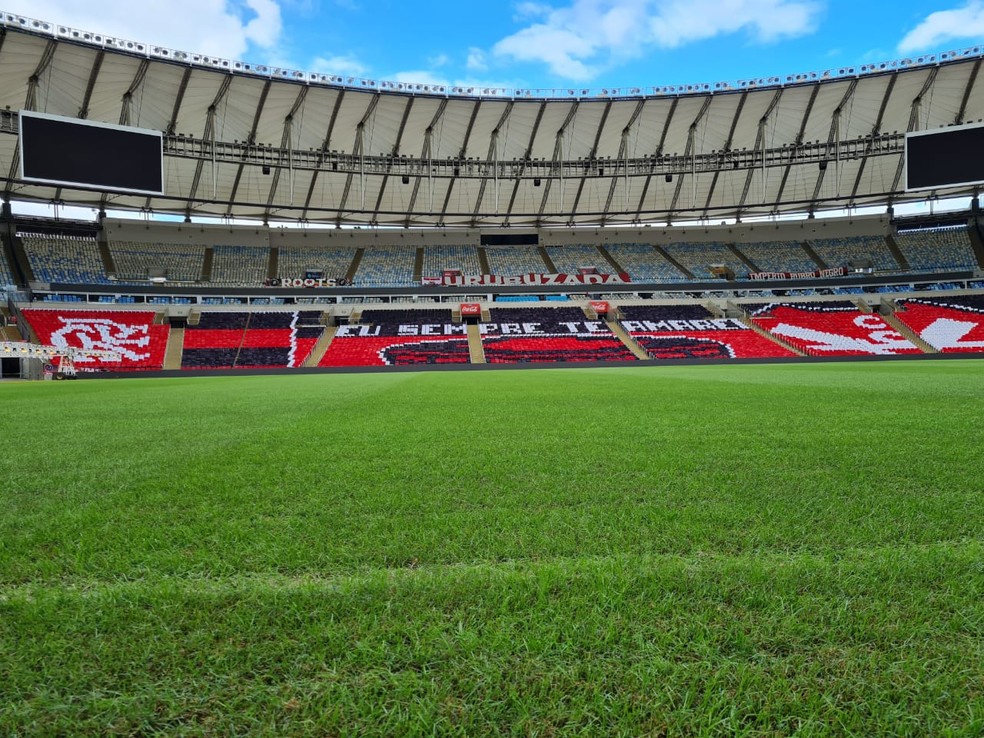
(242, 340)
(399, 338)
(548, 335)
(132, 334)
(692, 332)
(826, 329)
(948, 324)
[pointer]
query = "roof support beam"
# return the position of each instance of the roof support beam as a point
(178, 99)
(208, 135)
(250, 142)
(593, 154)
(358, 151)
(966, 96)
(760, 144)
(426, 154)
(875, 130)
(322, 153)
(394, 153)
(558, 159)
(492, 161)
(91, 85)
(656, 155)
(461, 157)
(623, 155)
(286, 145)
(127, 102)
(798, 141)
(30, 104)
(727, 146)
(689, 151)
(832, 136)
(526, 159)
(914, 121)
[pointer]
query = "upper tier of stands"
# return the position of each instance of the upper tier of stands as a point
(241, 265)
(644, 264)
(6, 275)
(697, 258)
(571, 259)
(69, 259)
(778, 256)
(937, 249)
(513, 261)
(180, 262)
(294, 262)
(80, 260)
(386, 267)
(437, 259)
(841, 252)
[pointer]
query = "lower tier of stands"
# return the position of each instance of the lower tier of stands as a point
(950, 325)
(396, 351)
(692, 332)
(825, 329)
(132, 334)
(240, 340)
(554, 348)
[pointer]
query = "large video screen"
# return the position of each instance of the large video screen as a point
(73, 152)
(947, 157)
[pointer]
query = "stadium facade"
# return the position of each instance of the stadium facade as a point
(617, 203)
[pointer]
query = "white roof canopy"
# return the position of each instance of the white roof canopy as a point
(249, 142)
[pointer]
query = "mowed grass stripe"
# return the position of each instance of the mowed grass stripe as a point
(865, 644)
(141, 478)
(720, 550)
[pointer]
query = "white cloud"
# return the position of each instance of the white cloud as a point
(938, 28)
(226, 28)
(344, 66)
(477, 60)
(579, 40)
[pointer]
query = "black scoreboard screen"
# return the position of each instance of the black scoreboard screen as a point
(73, 152)
(947, 157)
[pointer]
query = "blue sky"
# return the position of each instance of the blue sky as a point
(592, 44)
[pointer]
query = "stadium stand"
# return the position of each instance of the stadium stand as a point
(948, 324)
(644, 264)
(437, 259)
(295, 261)
(513, 261)
(245, 265)
(68, 259)
(692, 332)
(778, 256)
(937, 249)
(388, 337)
(133, 334)
(571, 259)
(832, 329)
(548, 335)
(6, 275)
(698, 258)
(841, 252)
(386, 267)
(250, 340)
(136, 261)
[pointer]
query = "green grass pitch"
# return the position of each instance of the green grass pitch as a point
(663, 551)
